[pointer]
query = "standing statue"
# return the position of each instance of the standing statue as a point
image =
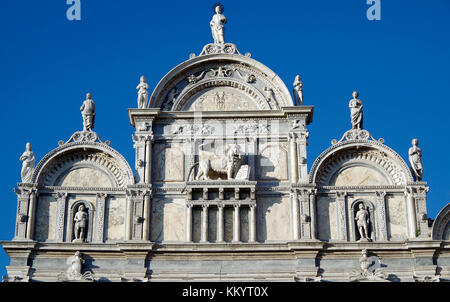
(356, 112)
(415, 160)
(28, 160)
(80, 219)
(88, 113)
(217, 25)
(142, 93)
(298, 90)
(362, 221)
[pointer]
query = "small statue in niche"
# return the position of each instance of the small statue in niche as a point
(171, 98)
(28, 160)
(88, 113)
(415, 160)
(298, 90)
(217, 24)
(362, 222)
(356, 112)
(80, 219)
(142, 93)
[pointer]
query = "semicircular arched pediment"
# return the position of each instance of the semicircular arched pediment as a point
(249, 81)
(359, 164)
(83, 165)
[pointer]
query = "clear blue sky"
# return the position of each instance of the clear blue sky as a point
(400, 65)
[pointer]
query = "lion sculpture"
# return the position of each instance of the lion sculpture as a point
(228, 164)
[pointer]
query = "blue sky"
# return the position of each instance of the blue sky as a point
(400, 65)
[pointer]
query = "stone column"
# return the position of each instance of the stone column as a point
(146, 218)
(148, 159)
(100, 219)
(312, 207)
(189, 223)
(61, 198)
(421, 210)
(305, 216)
(237, 223)
(23, 201)
(381, 216)
(31, 214)
(252, 223)
(302, 143)
(204, 235)
(139, 145)
(293, 163)
(295, 215)
(129, 220)
(220, 223)
(341, 202)
(411, 210)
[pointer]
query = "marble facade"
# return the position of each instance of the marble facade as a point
(277, 219)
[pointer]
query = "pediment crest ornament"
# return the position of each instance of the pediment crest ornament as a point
(356, 134)
(84, 136)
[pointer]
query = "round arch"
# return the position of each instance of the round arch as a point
(363, 153)
(91, 154)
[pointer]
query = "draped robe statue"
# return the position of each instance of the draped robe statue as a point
(415, 160)
(217, 25)
(88, 113)
(28, 160)
(142, 93)
(356, 112)
(298, 90)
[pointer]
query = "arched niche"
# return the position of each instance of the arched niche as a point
(360, 163)
(353, 209)
(90, 211)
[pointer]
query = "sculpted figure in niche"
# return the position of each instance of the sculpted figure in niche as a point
(80, 219)
(356, 112)
(142, 93)
(415, 160)
(28, 159)
(298, 90)
(362, 222)
(88, 113)
(217, 25)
